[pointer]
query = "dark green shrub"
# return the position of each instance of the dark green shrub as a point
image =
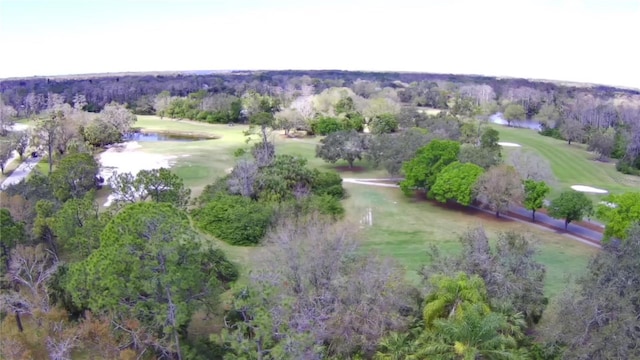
(236, 220)
(551, 132)
(328, 183)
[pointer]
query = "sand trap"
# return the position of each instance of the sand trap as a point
(508, 144)
(125, 158)
(588, 189)
(19, 127)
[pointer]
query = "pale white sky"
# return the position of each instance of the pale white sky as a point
(574, 40)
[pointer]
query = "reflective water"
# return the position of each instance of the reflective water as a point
(528, 124)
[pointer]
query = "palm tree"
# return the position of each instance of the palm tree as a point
(451, 295)
(396, 346)
(478, 334)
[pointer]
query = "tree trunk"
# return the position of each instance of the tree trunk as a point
(498, 213)
(350, 164)
(533, 217)
(50, 159)
(566, 224)
(19, 322)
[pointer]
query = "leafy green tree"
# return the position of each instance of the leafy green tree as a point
(534, 194)
(12, 234)
(150, 266)
(287, 177)
(100, 133)
(383, 124)
(163, 186)
(78, 225)
(342, 145)
(422, 171)
(514, 112)
(328, 183)
(74, 176)
(235, 219)
(456, 182)
(325, 125)
(160, 185)
(489, 139)
(469, 133)
(620, 212)
(570, 206)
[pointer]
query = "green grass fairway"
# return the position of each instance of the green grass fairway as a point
(571, 164)
(404, 228)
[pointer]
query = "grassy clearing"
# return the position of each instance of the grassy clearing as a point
(571, 164)
(404, 228)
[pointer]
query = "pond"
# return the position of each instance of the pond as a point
(497, 118)
(153, 137)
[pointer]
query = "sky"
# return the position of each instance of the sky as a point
(593, 41)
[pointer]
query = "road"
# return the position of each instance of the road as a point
(20, 172)
(579, 233)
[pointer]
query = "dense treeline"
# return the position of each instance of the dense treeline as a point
(605, 118)
(101, 90)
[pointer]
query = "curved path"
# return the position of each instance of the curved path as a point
(577, 232)
(20, 172)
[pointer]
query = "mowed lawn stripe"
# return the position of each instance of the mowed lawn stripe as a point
(571, 164)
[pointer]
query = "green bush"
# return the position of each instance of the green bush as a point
(384, 124)
(236, 220)
(324, 204)
(325, 125)
(328, 183)
(629, 168)
(551, 132)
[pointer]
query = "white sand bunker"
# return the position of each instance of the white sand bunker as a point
(508, 144)
(19, 127)
(124, 158)
(588, 189)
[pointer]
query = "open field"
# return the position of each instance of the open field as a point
(404, 228)
(571, 164)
